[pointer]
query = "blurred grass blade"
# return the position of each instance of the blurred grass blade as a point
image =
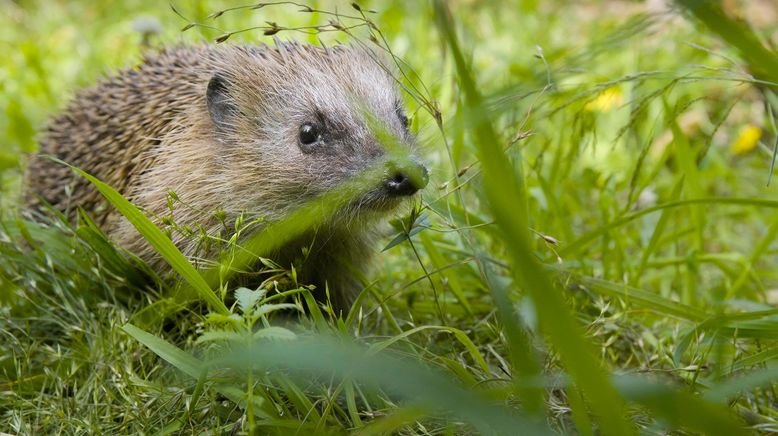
(158, 240)
(507, 200)
(578, 411)
(725, 390)
(190, 366)
(679, 408)
(322, 356)
(522, 356)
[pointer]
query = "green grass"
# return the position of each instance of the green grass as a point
(595, 252)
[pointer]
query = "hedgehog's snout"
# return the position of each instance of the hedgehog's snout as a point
(407, 180)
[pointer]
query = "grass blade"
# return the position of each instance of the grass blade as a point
(325, 356)
(680, 408)
(190, 365)
(507, 200)
(158, 240)
(522, 356)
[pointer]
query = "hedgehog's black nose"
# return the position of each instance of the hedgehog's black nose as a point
(400, 184)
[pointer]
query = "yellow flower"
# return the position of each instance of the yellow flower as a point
(746, 140)
(606, 100)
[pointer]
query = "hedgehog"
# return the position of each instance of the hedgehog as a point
(253, 131)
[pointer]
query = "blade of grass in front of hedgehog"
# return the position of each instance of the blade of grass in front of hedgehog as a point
(158, 240)
(507, 200)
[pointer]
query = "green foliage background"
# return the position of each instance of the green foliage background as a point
(595, 251)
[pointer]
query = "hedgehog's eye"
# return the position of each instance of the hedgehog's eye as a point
(403, 118)
(309, 134)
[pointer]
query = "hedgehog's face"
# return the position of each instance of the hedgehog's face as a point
(317, 126)
(340, 144)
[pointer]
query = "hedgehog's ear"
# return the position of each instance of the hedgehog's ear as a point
(221, 106)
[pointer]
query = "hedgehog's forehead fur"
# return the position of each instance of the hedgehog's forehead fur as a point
(301, 78)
